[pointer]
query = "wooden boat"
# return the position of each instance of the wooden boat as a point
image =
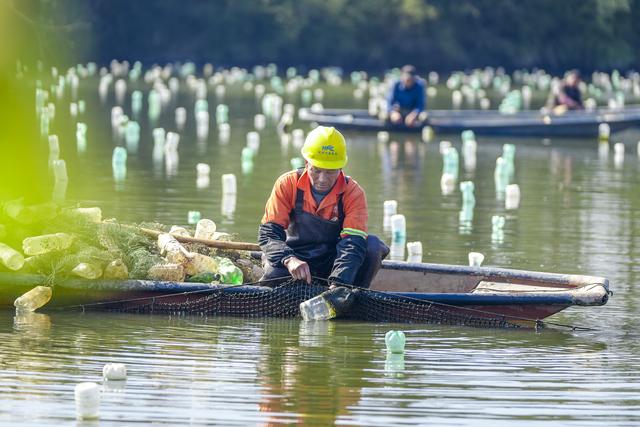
(488, 122)
(405, 292)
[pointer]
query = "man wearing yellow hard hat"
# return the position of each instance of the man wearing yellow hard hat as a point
(315, 221)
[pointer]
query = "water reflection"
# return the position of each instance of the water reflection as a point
(321, 364)
(32, 325)
(603, 151)
(228, 205)
(269, 371)
(171, 161)
(394, 365)
(59, 191)
(203, 182)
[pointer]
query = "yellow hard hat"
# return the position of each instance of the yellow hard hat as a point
(325, 148)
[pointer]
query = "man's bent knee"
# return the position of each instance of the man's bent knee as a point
(377, 250)
(273, 275)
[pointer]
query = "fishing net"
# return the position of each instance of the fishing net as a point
(283, 300)
(98, 243)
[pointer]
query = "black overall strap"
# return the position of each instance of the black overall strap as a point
(340, 210)
(341, 205)
(299, 201)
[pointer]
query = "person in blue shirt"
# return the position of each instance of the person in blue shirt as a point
(406, 100)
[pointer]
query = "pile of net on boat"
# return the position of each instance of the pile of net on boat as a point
(64, 243)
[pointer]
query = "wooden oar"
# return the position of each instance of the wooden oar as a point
(219, 244)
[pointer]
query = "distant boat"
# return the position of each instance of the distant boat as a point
(401, 292)
(580, 123)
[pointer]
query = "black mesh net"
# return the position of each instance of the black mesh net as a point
(282, 299)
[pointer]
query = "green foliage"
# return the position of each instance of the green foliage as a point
(374, 34)
(369, 34)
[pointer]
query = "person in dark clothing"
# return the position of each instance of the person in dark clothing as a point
(569, 96)
(315, 221)
(406, 100)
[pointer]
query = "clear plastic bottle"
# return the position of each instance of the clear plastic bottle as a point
(11, 258)
(427, 133)
(259, 121)
(205, 229)
(390, 208)
(500, 175)
(87, 270)
(414, 250)
(136, 101)
(34, 299)
(475, 259)
(328, 304)
(317, 308)
(201, 105)
(199, 263)
(116, 270)
(90, 214)
(172, 249)
(87, 396)
(60, 170)
(604, 130)
(222, 114)
(176, 230)
(166, 272)
(114, 372)
(512, 196)
(468, 135)
(119, 158)
(39, 245)
(467, 188)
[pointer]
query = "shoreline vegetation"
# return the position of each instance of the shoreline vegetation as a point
(374, 35)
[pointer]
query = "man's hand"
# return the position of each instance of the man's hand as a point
(395, 117)
(411, 119)
(298, 269)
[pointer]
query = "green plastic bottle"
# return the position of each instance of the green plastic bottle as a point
(395, 341)
(231, 274)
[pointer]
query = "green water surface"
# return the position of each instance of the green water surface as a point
(579, 214)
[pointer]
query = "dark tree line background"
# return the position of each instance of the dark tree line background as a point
(373, 35)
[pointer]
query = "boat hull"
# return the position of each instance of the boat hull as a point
(418, 293)
(522, 124)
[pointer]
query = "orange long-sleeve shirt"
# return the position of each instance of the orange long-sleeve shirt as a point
(283, 199)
